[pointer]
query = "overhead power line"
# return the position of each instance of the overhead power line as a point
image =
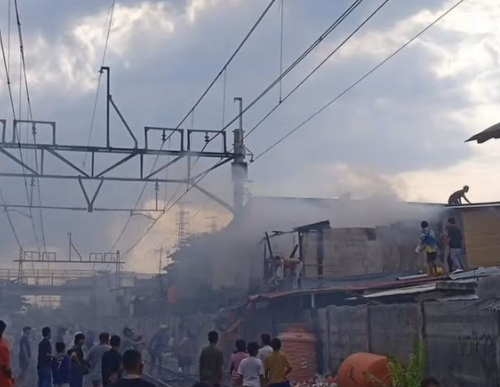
(191, 111)
(322, 37)
(18, 135)
(342, 17)
(9, 219)
(231, 58)
(315, 114)
(317, 67)
(297, 61)
(30, 113)
(360, 80)
(166, 210)
(96, 99)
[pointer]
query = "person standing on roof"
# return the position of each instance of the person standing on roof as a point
(212, 362)
(456, 197)
(428, 243)
(455, 243)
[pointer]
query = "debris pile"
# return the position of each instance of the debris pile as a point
(318, 381)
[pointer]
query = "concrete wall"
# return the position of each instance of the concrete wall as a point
(348, 332)
(463, 346)
(359, 251)
(394, 329)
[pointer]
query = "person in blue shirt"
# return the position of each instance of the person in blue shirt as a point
(428, 243)
(61, 366)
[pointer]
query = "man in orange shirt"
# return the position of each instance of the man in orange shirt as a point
(6, 379)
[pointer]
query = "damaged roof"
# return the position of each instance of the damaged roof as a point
(382, 287)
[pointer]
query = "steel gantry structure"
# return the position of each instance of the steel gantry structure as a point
(174, 142)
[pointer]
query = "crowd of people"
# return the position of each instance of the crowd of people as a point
(106, 363)
(118, 363)
(251, 365)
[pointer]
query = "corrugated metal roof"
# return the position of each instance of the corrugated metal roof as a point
(479, 272)
(492, 305)
(403, 291)
(350, 287)
(475, 205)
(393, 286)
(488, 134)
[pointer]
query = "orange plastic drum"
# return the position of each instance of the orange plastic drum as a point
(354, 371)
(300, 347)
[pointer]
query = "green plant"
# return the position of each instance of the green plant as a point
(403, 375)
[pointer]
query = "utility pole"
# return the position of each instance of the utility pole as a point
(182, 226)
(239, 167)
(108, 100)
(160, 260)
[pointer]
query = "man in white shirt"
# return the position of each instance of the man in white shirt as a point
(94, 359)
(265, 349)
(251, 369)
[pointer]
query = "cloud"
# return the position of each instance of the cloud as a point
(402, 127)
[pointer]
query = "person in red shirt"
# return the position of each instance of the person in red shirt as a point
(6, 379)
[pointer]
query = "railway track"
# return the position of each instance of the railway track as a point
(169, 378)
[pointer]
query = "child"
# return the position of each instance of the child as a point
(61, 366)
(251, 369)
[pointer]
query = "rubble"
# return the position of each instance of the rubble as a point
(318, 381)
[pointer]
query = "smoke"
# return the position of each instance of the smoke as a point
(234, 257)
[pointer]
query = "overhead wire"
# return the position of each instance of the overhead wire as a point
(30, 114)
(96, 98)
(166, 210)
(196, 104)
(289, 69)
(326, 59)
(359, 81)
(317, 112)
(16, 131)
(337, 22)
(9, 219)
(322, 37)
(282, 30)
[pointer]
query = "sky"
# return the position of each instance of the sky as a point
(399, 132)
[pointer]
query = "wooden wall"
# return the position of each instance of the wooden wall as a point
(482, 236)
